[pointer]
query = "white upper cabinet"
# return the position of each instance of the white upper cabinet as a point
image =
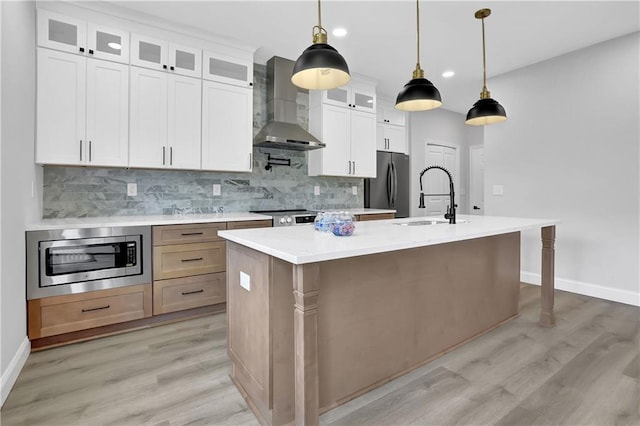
(387, 113)
(158, 54)
(227, 132)
(345, 120)
(82, 115)
(77, 36)
(165, 120)
(228, 69)
(391, 134)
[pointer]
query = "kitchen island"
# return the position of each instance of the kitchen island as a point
(316, 320)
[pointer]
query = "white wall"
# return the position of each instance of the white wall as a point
(17, 173)
(441, 126)
(569, 150)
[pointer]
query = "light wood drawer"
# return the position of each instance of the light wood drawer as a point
(191, 292)
(249, 224)
(376, 216)
(191, 233)
(183, 260)
(63, 314)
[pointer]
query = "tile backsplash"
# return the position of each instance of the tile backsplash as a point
(92, 191)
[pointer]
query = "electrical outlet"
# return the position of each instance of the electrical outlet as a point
(132, 189)
(354, 190)
(216, 189)
(245, 281)
(498, 190)
(316, 190)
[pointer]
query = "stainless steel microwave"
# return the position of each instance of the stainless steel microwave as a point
(79, 260)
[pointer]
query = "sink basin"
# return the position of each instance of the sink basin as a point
(428, 222)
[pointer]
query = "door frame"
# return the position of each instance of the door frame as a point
(456, 174)
(472, 149)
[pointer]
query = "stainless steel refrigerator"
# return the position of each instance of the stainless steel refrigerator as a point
(390, 189)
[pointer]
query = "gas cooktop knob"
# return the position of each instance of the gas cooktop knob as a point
(282, 221)
(289, 220)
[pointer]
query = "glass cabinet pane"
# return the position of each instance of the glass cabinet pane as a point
(108, 43)
(63, 32)
(364, 101)
(185, 60)
(150, 52)
(227, 69)
(337, 95)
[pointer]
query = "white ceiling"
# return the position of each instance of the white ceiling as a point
(382, 36)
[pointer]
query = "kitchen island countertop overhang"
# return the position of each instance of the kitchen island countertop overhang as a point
(302, 244)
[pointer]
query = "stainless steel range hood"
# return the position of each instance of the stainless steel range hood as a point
(282, 129)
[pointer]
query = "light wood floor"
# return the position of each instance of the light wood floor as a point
(585, 371)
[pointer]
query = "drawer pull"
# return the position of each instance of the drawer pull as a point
(186, 234)
(96, 309)
(195, 259)
(184, 293)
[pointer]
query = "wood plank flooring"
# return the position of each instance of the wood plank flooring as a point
(585, 371)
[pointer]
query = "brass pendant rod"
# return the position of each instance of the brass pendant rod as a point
(319, 15)
(418, 34)
(484, 62)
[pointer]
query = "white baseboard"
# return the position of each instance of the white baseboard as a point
(586, 289)
(10, 376)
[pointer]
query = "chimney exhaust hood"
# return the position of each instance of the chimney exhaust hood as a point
(282, 130)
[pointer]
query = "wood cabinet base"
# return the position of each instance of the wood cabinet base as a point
(341, 328)
(188, 292)
(63, 314)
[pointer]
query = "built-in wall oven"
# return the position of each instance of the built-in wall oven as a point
(86, 259)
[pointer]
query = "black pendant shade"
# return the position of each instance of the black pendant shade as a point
(486, 111)
(418, 94)
(320, 67)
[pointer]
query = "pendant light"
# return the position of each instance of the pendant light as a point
(320, 66)
(419, 94)
(487, 110)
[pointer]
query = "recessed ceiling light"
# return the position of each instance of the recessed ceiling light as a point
(340, 32)
(448, 74)
(113, 45)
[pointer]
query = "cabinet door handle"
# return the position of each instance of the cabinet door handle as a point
(163, 155)
(80, 149)
(90, 51)
(171, 156)
(354, 167)
(250, 162)
(164, 67)
(82, 49)
(186, 234)
(184, 293)
(349, 167)
(195, 259)
(89, 151)
(171, 68)
(96, 309)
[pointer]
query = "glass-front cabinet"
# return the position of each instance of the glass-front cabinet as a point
(227, 69)
(157, 54)
(80, 37)
(351, 97)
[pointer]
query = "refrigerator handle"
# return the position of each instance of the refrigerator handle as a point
(389, 184)
(395, 184)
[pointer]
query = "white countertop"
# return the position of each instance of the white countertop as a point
(302, 244)
(97, 222)
(115, 221)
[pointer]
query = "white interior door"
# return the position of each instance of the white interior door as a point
(436, 181)
(476, 172)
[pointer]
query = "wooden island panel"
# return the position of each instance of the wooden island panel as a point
(374, 318)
